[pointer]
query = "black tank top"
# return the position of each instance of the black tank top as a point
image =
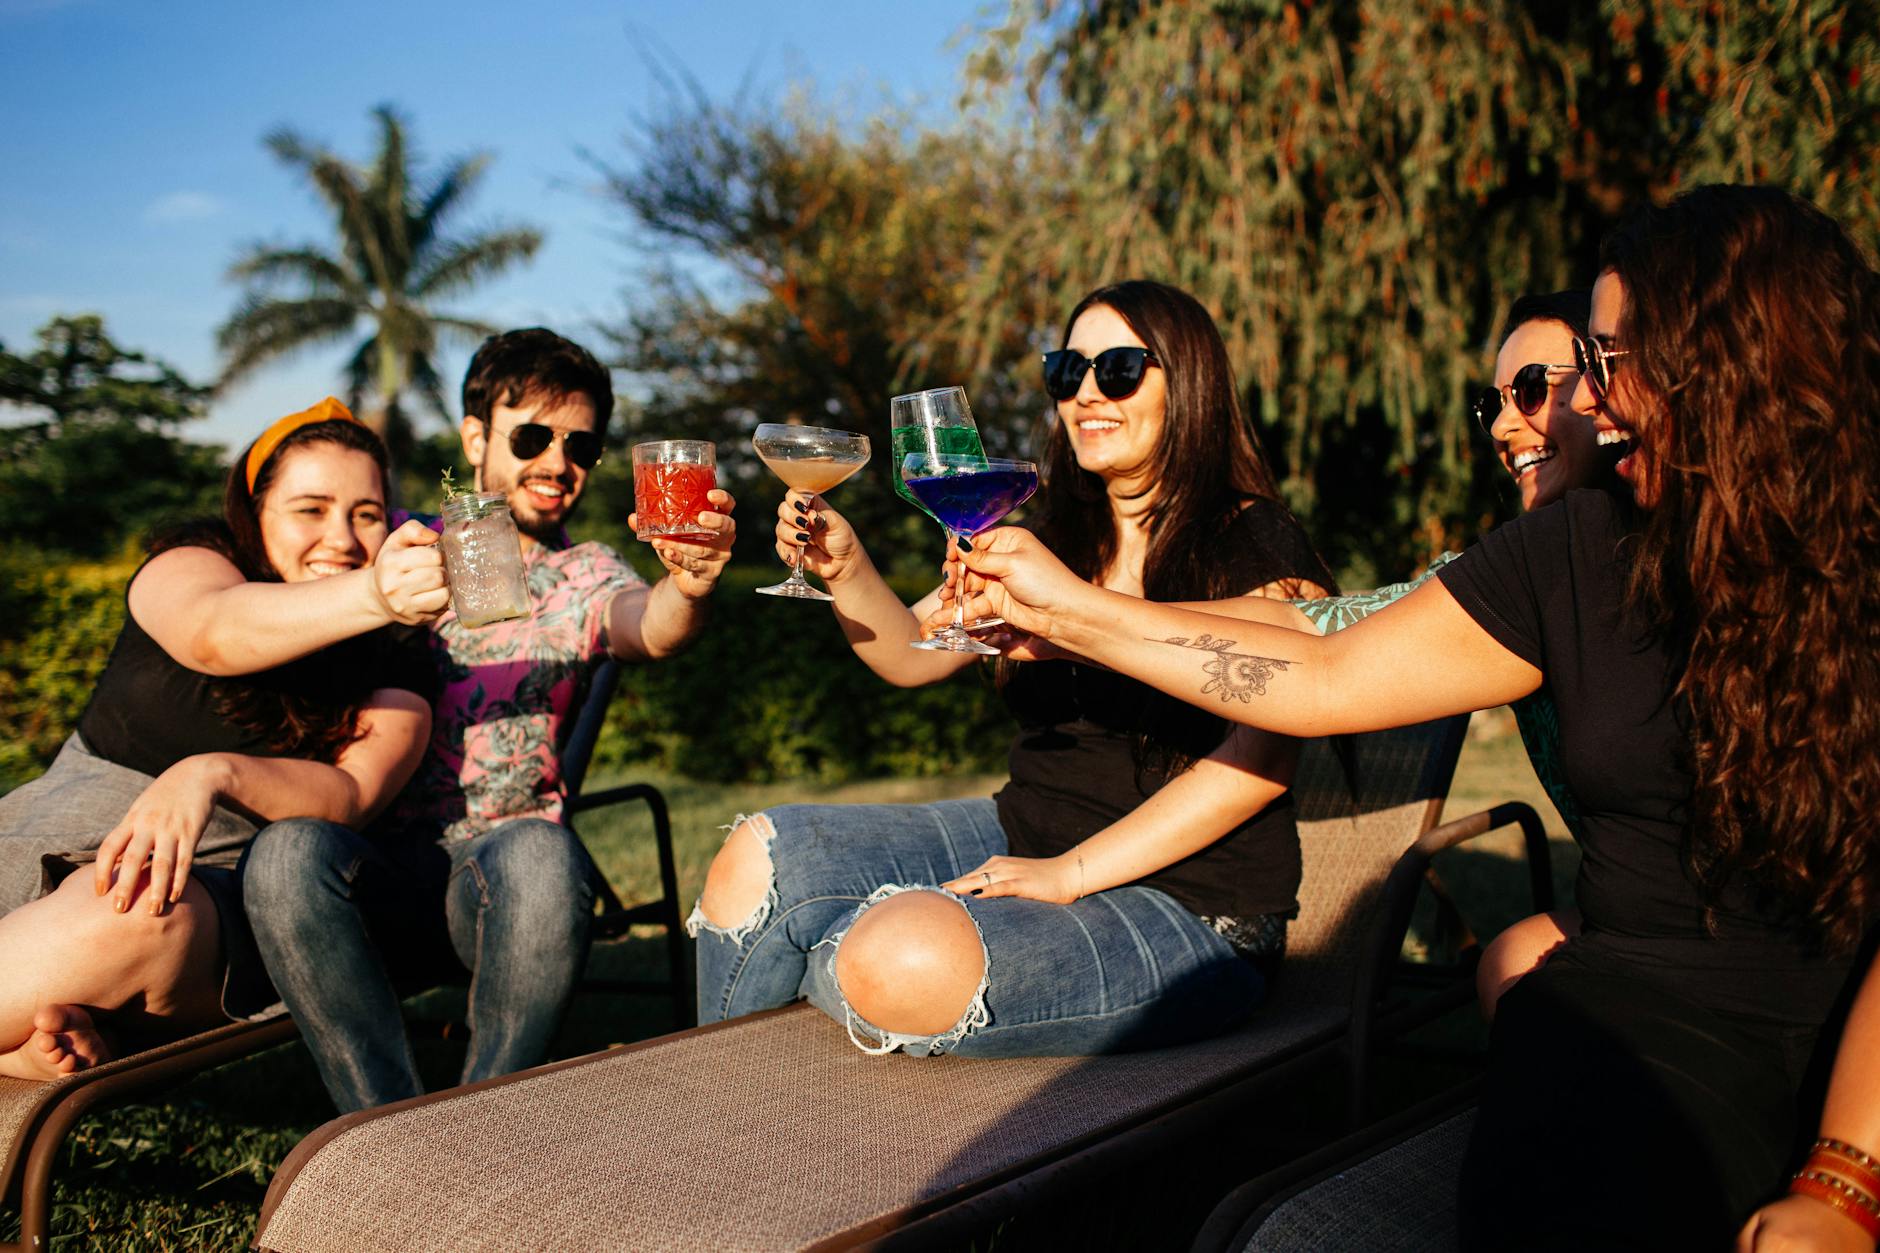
(150, 711)
(1074, 764)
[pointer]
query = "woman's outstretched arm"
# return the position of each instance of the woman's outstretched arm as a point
(878, 626)
(200, 609)
(1421, 658)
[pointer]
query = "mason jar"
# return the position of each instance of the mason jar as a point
(483, 560)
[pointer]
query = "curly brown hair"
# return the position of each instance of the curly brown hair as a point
(1754, 326)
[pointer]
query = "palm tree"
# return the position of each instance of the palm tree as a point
(392, 263)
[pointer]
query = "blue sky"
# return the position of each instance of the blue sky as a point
(135, 168)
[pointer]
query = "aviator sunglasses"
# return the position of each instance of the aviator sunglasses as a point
(1119, 371)
(1594, 360)
(530, 440)
(1527, 389)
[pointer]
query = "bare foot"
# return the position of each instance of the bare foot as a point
(64, 1041)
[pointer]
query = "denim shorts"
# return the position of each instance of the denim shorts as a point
(1127, 968)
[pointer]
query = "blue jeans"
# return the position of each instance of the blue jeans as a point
(344, 921)
(1123, 969)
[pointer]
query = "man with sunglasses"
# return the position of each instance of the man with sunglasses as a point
(472, 865)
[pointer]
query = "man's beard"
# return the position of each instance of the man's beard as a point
(543, 530)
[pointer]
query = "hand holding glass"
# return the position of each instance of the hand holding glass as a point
(809, 459)
(966, 494)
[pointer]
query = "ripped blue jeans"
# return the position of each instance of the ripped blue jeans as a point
(1127, 968)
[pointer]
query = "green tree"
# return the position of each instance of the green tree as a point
(390, 265)
(1359, 190)
(802, 272)
(95, 459)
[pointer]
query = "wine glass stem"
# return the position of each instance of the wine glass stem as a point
(796, 567)
(959, 592)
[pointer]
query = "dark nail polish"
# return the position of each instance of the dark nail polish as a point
(800, 506)
(966, 545)
(802, 537)
(975, 891)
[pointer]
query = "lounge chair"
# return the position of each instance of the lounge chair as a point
(1389, 1189)
(772, 1131)
(35, 1117)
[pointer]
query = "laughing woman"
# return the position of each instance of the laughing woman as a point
(1130, 886)
(251, 681)
(1712, 654)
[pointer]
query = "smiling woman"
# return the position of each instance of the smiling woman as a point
(1132, 883)
(251, 679)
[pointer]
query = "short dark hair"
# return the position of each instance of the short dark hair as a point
(1573, 309)
(535, 362)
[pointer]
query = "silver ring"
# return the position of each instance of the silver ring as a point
(988, 877)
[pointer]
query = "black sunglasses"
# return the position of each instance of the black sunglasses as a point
(1527, 389)
(1594, 360)
(1119, 371)
(530, 440)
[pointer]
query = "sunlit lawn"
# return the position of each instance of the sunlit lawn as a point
(189, 1172)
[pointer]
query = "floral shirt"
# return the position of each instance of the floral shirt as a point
(505, 691)
(1534, 714)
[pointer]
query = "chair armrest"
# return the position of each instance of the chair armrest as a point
(620, 795)
(614, 912)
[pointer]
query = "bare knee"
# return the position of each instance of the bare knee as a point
(739, 880)
(912, 963)
(123, 952)
(1519, 950)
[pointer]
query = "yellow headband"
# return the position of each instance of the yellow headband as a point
(328, 410)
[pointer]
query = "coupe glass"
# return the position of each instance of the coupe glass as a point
(965, 494)
(809, 459)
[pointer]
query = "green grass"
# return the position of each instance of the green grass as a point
(189, 1171)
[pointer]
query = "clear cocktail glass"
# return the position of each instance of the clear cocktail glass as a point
(965, 494)
(810, 459)
(940, 422)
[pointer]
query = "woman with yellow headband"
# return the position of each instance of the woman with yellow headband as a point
(259, 675)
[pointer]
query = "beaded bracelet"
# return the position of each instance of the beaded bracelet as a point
(1855, 1203)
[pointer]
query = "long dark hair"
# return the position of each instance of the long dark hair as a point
(1754, 327)
(1208, 467)
(277, 706)
(1209, 464)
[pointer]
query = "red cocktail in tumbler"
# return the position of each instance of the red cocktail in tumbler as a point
(670, 480)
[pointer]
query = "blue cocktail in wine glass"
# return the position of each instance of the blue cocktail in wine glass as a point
(967, 493)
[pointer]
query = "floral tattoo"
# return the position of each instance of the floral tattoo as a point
(1236, 676)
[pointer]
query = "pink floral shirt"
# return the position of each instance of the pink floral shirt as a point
(504, 691)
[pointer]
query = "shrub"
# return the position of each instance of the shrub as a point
(769, 692)
(59, 620)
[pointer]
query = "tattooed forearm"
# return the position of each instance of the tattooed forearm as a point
(1236, 676)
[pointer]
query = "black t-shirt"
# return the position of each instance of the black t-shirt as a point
(150, 711)
(1075, 767)
(1550, 588)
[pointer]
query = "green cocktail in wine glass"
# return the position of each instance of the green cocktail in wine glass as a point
(936, 421)
(809, 459)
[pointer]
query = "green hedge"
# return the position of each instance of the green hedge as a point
(771, 691)
(57, 621)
